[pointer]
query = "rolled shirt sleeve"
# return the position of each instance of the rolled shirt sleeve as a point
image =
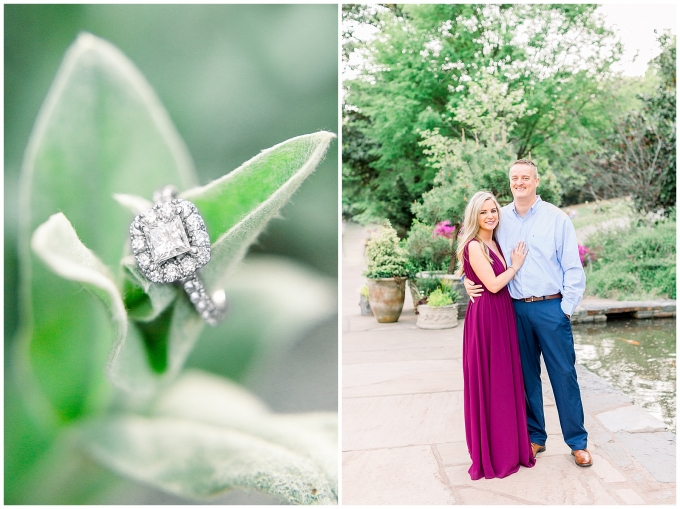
(574, 278)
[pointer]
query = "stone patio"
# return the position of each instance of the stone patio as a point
(403, 435)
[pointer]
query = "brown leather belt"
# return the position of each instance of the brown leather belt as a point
(547, 297)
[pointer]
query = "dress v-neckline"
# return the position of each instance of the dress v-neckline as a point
(498, 256)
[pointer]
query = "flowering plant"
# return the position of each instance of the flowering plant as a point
(444, 229)
(586, 255)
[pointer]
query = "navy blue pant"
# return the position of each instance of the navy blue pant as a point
(542, 327)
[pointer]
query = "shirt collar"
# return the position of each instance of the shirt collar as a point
(533, 208)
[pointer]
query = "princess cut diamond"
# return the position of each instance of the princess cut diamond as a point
(168, 240)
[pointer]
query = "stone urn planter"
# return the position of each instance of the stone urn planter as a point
(386, 297)
(415, 293)
(443, 317)
(457, 285)
(365, 306)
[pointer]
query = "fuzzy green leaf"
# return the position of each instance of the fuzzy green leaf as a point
(100, 131)
(58, 246)
(237, 206)
(208, 435)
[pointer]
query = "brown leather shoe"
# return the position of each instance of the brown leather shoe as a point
(535, 448)
(582, 458)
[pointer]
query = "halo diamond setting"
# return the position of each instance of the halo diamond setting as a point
(170, 241)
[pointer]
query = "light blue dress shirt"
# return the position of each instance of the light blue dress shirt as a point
(553, 264)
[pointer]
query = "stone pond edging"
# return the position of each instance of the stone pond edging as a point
(597, 310)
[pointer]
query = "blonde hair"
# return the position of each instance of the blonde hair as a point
(471, 226)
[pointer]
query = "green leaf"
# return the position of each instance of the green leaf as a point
(144, 299)
(135, 204)
(237, 206)
(273, 302)
(57, 244)
(100, 131)
(208, 435)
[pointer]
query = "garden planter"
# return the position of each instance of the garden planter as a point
(386, 296)
(365, 306)
(457, 285)
(444, 317)
(415, 293)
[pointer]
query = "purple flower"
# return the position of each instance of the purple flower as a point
(444, 229)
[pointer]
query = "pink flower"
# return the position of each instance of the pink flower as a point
(586, 255)
(444, 229)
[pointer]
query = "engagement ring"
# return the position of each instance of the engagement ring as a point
(170, 244)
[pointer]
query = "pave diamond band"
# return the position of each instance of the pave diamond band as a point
(212, 309)
(170, 243)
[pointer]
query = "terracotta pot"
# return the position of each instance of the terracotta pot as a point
(386, 297)
(457, 284)
(443, 317)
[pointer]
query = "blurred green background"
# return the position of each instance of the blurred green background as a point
(235, 79)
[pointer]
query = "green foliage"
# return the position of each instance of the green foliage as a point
(364, 291)
(427, 251)
(386, 258)
(103, 134)
(636, 156)
(448, 289)
(634, 263)
(438, 299)
(425, 62)
(427, 285)
(465, 168)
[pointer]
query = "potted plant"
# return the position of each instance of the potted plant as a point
(363, 301)
(440, 311)
(432, 259)
(386, 274)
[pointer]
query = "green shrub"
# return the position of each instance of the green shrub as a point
(634, 263)
(386, 257)
(439, 299)
(427, 251)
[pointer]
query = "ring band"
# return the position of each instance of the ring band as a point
(171, 244)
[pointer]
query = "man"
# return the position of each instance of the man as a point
(545, 292)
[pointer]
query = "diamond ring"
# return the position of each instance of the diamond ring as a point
(170, 244)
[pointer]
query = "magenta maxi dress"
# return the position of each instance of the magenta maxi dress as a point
(495, 412)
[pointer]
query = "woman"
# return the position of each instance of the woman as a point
(495, 413)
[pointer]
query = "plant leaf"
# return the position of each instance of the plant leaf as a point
(209, 435)
(291, 296)
(135, 204)
(100, 131)
(58, 245)
(144, 299)
(237, 206)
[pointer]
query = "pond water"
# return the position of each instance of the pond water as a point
(635, 356)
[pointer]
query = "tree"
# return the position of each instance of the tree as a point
(638, 157)
(424, 59)
(465, 166)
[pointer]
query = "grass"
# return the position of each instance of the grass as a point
(596, 212)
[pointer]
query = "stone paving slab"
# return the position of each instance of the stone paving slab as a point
(630, 418)
(419, 353)
(394, 340)
(553, 480)
(403, 475)
(396, 421)
(653, 450)
(401, 378)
